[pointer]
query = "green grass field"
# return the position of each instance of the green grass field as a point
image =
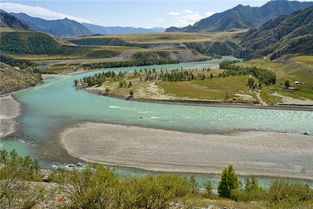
(292, 69)
(229, 89)
(308, 60)
(208, 89)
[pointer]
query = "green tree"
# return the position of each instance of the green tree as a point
(208, 188)
(130, 84)
(76, 82)
(287, 84)
(251, 83)
(131, 93)
(229, 181)
(194, 184)
(107, 90)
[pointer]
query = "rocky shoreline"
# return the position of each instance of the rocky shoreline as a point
(9, 110)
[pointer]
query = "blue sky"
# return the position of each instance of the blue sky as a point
(143, 13)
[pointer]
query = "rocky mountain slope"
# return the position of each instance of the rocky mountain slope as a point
(241, 16)
(287, 34)
(9, 21)
(62, 28)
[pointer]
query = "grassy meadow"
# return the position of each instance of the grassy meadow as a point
(212, 89)
(292, 69)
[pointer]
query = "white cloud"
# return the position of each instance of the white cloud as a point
(173, 13)
(160, 20)
(38, 12)
(187, 17)
(188, 11)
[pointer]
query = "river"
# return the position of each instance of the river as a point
(49, 108)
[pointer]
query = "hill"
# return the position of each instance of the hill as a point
(12, 79)
(9, 21)
(98, 29)
(241, 16)
(287, 34)
(28, 42)
(62, 28)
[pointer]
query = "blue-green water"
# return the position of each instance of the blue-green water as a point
(50, 107)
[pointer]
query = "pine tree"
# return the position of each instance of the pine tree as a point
(229, 181)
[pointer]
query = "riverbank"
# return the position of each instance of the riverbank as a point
(208, 103)
(252, 153)
(9, 110)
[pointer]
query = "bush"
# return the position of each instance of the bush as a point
(282, 193)
(251, 192)
(155, 192)
(13, 171)
(92, 187)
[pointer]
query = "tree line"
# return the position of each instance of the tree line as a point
(144, 75)
(266, 77)
(138, 59)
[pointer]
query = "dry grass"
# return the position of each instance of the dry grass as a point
(172, 37)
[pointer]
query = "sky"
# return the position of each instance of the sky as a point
(135, 13)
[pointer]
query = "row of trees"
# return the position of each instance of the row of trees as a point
(99, 78)
(96, 187)
(138, 59)
(266, 77)
(150, 74)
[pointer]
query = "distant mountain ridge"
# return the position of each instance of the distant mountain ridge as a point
(98, 29)
(9, 21)
(66, 27)
(62, 28)
(287, 34)
(241, 17)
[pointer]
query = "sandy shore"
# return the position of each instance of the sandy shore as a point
(9, 110)
(252, 153)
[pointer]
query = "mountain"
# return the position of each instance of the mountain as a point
(62, 28)
(287, 34)
(241, 17)
(98, 29)
(9, 21)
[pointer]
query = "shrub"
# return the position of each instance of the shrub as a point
(282, 193)
(251, 192)
(155, 192)
(92, 187)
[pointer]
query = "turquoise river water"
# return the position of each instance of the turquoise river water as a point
(55, 105)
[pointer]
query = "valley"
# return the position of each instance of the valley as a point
(158, 114)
